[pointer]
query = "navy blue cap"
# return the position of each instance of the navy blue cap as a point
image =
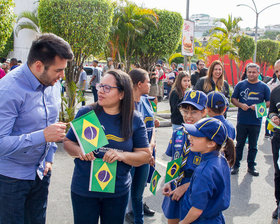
(211, 128)
(195, 98)
(216, 100)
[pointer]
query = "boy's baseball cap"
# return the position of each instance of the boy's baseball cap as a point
(216, 100)
(195, 98)
(211, 128)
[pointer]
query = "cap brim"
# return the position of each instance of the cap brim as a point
(197, 106)
(192, 130)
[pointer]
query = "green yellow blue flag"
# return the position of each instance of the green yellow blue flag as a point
(271, 125)
(154, 182)
(172, 170)
(89, 132)
(154, 106)
(260, 109)
(102, 176)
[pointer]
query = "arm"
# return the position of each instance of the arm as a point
(236, 103)
(179, 191)
(136, 158)
(192, 215)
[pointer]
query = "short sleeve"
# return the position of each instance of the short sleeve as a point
(266, 93)
(140, 137)
(70, 135)
(201, 191)
(170, 147)
(236, 91)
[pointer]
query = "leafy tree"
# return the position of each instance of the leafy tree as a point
(28, 20)
(267, 54)
(229, 30)
(246, 48)
(272, 35)
(9, 46)
(129, 22)
(84, 24)
(7, 19)
(161, 41)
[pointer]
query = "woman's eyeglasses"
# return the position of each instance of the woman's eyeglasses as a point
(106, 88)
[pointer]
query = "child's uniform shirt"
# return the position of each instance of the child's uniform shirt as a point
(179, 145)
(209, 189)
(229, 126)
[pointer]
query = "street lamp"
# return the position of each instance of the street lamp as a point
(257, 18)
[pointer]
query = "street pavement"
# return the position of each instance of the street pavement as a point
(252, 198)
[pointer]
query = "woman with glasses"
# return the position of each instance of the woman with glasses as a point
(128, 145)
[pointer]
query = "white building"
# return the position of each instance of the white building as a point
(23, 41)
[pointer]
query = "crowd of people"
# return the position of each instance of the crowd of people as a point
(123, 104)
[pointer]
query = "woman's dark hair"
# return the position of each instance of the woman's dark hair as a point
(177, 86)
(46, 47)
(220, 83)
(138, 75)
(124, 83)
(229, 151)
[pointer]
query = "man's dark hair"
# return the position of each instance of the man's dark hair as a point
(13, 61)
(46, 47)
(200, 60)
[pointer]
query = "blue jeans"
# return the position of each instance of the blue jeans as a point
(88, 210)
(23, 201)
(94, 92)
(139, 180)
(252, 131)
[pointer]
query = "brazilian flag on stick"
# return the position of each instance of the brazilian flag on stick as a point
(260, 109)
(154, 182)
(89, 132)
(154, 106)
(102, 176)
(172, 170)
(271, 125)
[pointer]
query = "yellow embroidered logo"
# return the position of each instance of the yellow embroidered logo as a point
(196, 160)
(193, 94)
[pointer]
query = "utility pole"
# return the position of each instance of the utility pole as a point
(187, 18)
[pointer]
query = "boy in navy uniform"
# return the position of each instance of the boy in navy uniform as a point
(209, 191)
(192, 109)
(217, 105)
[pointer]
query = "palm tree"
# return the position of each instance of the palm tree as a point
(230, 30)
(129, 22)
(28, 20)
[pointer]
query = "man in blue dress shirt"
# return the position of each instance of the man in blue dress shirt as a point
(29, 129)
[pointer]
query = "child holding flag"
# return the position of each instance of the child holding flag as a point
(217, 105)
(192, 109)
(209, 191)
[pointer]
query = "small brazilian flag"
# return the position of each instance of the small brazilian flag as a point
(172, 170)
(154, 181)
(102, 176)
(89, 132)
(154, 106)
(260, 109)
(271, 125)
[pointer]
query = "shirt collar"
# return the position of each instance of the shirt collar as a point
(220, 117)
(34, 82)
(210, 155)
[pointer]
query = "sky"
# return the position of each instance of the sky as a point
(221, 9)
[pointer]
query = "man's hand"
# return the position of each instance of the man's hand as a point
(275, 120)
(252, 107)
(48, 167)
(87, 157)
(244, 107)
(55, 132)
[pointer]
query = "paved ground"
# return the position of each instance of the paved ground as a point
(252, 200)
